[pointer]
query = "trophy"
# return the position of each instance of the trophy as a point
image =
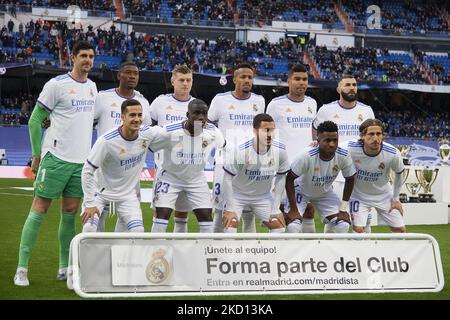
(426, 178)
(402, 196)
(404, 150)
(413, 188)
(444, 152)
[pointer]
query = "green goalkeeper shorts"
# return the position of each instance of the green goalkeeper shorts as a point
(56, 177)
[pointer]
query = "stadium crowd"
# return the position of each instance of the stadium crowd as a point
(366, 64)
(418, 125)
(162, 52)
(15, 110)
(401, 16)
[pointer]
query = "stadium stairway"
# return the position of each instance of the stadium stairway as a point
(120, 9)
(424, 69)
(343, 17)
(309, 61)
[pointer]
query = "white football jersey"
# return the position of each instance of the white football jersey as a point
(372, 172)
(235, 116)
(71, 107)
(185, 157)
(108, 111)
(348, 120)
(121, 161)
(293, 120)
(166, 109)
(254, 173)
(316, 175)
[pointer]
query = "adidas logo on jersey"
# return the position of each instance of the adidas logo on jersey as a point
(336, 116)
(231, 107)
(71, 91)
(316, 169)
(169, 107)
(113, 104)
(288, 110)
(358, 161)
(121, 151)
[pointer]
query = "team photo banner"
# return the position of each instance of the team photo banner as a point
(219, 265)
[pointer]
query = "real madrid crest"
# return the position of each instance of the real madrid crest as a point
(255, 108)
(309, 110)
(158, 268)
(204, 144)
(92, 93)
(335, 168)
(381, 166)
(360, 117)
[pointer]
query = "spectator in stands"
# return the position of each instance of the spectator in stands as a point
(10, 26)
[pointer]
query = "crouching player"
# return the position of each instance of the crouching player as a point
(255, 166)
(373, 160)
(182, 168)
(120, 153)
(318, 167)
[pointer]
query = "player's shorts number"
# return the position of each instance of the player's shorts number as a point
(354, 206)
(217, 189)
(299, 198)
(162, 187)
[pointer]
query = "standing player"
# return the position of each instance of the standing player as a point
(348, 114)
(293, 114)
(120, 154)
(182, 170)
(233, 112)
(374, 159)
(317, 168)
(247, 183)
(108, 116)
(169, 108)
(69, 99)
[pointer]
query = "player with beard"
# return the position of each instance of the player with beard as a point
(348, 114)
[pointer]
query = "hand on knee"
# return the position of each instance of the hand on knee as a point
(91, 226)
(398, 229)
(276, 223)
(230, 221)
(358, 229)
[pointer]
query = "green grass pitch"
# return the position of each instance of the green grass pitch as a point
(15, 204)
